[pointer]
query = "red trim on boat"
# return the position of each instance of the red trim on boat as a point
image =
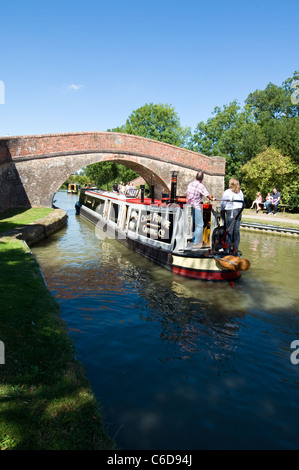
(207, 275)
(147, 201)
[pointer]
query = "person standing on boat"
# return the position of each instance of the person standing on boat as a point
(195, 191)
(232, 204)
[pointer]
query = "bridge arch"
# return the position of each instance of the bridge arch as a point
(142, 169)
(32, 168)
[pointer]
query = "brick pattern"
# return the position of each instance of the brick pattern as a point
(43, 162)
(62, 144)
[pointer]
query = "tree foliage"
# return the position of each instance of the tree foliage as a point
(271, 169)
(276, 115)
(101, 173)
(125, 174)
(274, 102)
(268, 120)
(251, 138)
(230, 133)
(156, 121)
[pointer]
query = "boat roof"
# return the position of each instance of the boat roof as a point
(131, 200)
(137, 200)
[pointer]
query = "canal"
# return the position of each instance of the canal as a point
(177, 363)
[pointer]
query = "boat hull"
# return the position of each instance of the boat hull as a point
(204, 268)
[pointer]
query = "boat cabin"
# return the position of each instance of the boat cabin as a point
(159, 223)
(73, 188)
(162, 230)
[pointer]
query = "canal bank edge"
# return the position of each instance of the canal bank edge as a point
(46, 399)
(40, 229)
(85, 420)
(45, 227)
(272, 229)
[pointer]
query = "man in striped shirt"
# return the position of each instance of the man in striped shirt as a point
(195, 191)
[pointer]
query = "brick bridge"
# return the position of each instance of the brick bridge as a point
(33, 168)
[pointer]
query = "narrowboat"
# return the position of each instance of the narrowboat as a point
(162, 231)
(73, 188)
(88, 186)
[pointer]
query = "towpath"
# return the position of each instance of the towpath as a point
(263, 218)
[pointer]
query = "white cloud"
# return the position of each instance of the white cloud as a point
(75, 87)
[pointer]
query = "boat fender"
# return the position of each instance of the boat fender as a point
(244, 264)
(170, 258)
(78, 207)
(229, 262)
(104, 228)
(233, 263)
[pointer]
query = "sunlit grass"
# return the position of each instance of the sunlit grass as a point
(45, 399)
(19, 217)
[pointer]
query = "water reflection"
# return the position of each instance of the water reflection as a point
(178, 363)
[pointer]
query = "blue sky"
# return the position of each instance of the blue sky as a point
(71, 66)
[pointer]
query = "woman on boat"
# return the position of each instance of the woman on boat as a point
(232, 203)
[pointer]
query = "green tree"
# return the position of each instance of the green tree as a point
(104, 174)
(230, 133)
(125, 174)
(156, 121)
(277, 115)
(80, 179)
(271, 169)
(275, 102)
(270, 118)
(282, 134)
(101, 173)
(291, 85)
(271, 103)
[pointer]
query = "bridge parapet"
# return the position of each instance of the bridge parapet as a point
(41, 163)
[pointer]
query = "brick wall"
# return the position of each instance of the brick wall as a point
(42, 163)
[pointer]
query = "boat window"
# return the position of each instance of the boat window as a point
(100, 205)
(124, 215)
(88, 201)
(114, 212)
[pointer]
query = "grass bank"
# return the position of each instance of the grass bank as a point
(45, 398)
(19, 217)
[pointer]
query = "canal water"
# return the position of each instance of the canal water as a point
(177, 363)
